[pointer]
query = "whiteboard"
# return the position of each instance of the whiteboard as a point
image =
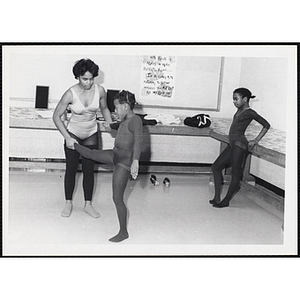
(188, 82)
(195, 81)
(188, 78)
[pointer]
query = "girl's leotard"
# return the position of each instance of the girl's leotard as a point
(128, 144)
(128, 141)
(83, 121)
(240, 124)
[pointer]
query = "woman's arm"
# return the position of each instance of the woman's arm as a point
(103, 105)
(58, 112)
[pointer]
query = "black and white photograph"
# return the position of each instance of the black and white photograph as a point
(126, 170)
(149, 149)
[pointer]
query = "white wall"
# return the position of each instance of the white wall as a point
(269, 72)
(268, 79)
(265, 73)
(267, 171)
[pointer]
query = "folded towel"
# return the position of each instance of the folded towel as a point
(45, 114)
(165, 119)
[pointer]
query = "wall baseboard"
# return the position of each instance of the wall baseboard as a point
(51, 165)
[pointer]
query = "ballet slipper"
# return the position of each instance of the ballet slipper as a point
(221, 204)
(119, 237)
(213, 201)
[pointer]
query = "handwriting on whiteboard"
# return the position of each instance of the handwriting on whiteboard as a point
(158, 76)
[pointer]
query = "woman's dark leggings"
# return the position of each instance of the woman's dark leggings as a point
(235, 156)
(72, 161)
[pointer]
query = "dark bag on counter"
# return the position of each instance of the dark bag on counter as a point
(147, 122)
(200, 121)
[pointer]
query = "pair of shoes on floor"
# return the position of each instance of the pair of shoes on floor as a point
(154, 181)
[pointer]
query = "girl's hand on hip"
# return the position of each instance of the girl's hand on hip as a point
(251, 144)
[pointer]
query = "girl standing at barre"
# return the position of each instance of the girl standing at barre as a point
(237, 150)
(124, 156)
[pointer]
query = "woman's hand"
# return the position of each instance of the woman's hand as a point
(251, 144)
(107, 126)
(134, 171)
(70, 143)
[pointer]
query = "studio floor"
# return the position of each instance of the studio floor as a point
(177, 220)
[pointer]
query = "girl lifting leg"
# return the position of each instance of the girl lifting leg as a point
(124, 156)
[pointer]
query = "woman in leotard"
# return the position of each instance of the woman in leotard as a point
(83, 99)
(236, 152)
(124, 156)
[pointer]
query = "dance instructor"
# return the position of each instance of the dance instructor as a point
(83, 99)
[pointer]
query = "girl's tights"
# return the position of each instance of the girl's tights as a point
(120, 179)
(235, 156)
(119, 182)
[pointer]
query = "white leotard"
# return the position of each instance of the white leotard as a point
(83, 121)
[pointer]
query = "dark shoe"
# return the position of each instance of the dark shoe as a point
(166, 182)
(153, 180)
(221, 204)
(213, 202)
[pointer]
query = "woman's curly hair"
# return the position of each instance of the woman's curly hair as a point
(83, 65)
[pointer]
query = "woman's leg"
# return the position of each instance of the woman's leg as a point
(217, 167)
(120, 179)
(88, 176)
(91, 155)
(238, 156)
(88, 168)
(72, 159)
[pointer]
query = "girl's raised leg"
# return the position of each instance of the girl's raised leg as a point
(103, 156)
